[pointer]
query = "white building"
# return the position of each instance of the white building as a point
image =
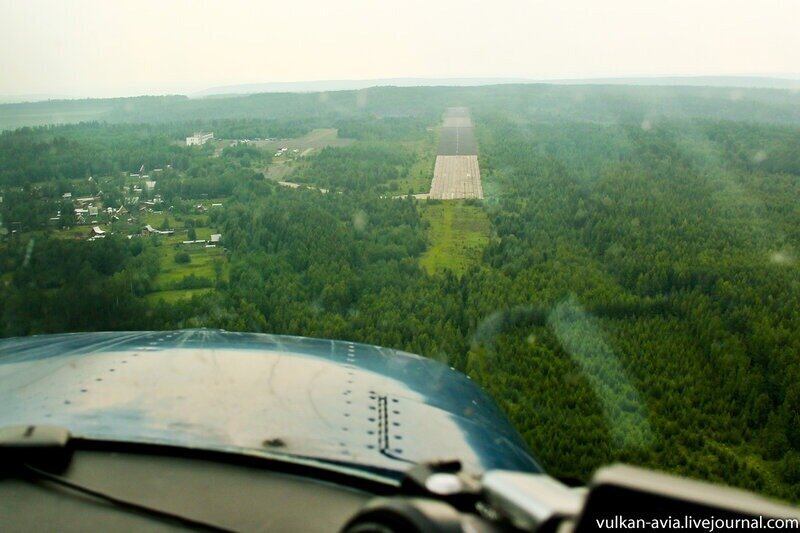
(199, 138)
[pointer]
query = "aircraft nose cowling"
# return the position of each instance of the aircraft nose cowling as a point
(329, 400)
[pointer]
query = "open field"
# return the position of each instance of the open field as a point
(75, 232)
(174, 296)
(457, 235)
(201, 265)
(315, 140)
(278, 170)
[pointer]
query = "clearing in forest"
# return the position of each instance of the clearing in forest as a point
(299, 148)
(457, 235)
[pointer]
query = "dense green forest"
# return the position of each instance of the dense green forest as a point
(597, 103)
(638, 298)
(360, 167)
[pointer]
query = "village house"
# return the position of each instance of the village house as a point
(96, 233)
(150, 230)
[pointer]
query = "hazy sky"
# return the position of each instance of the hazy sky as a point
(119, 47)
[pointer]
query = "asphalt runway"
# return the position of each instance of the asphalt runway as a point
(457, 122)
(456, 174)
(457, 141)
(456, 177)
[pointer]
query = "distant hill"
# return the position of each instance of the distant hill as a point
(608, 102)
(351, 85)
(348, 85)
(746, 82)
(71, 111)
(21, 98)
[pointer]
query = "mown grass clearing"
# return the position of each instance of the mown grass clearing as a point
(76, 232)
(174, 296)
(458, 232)
(315, 140)
(201, 263)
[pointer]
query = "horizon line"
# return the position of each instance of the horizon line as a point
(234, 89)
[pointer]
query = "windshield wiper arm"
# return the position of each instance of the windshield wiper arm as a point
(22, 447)
(36, 474)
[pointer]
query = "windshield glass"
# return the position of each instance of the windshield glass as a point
(589, 209)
